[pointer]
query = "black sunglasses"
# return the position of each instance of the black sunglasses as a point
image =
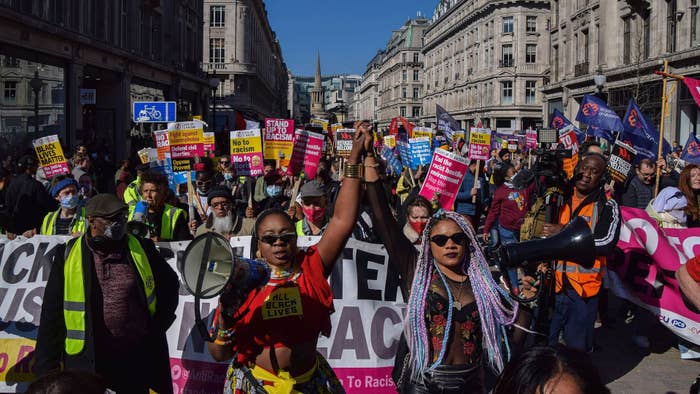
(441, 239)
(270, 239)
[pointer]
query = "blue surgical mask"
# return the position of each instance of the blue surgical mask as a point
(70, 201)
(273, 190)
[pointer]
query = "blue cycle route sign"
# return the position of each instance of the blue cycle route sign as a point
(154, 111)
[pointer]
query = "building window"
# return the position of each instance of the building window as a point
(403, 92)
(216, 50)
(403, 57)
(217, 15)
(531, 24)
(402, 111)
(531, 53)
(556, 13)
(415, 57)
(415, 92)
(507, 24)
(626, 40)
(416, 112)
(415, 75)
(404, 75)
(555, 63)
(530, 92)
(507, 55)
(671, 8)
(507, 92)
(693, 22)
(10, 92)
(647, 35)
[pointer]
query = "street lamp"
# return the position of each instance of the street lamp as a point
(599, 79)
(36, 84)
(214, 84)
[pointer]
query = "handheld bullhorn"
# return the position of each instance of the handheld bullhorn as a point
(574, 242)
(137, 225)
(209, 269)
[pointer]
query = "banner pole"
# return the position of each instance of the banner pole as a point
(664, 101)
(476, 179)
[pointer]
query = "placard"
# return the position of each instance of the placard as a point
(567, 137)
(186, 139)
(322, 123)
(620, 163)
(162, 144)
(390, 141)
(421, 153)
(209, 141)
(393, 163)
(444, 177)
(50, 154)
(479, 144)
(246, 152)
(419, 132)
(279, 140)
(531, 139)
(308, 147)
(343, 142)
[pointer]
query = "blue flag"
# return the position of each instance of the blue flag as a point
(594, 112)
(446, 122)
(691, 152)
(641, 134)
(558, 121)
(600, 133)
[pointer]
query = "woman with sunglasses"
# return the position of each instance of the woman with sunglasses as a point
(456, 312)
(272, 335)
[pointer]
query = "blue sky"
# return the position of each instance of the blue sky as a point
(347, 33)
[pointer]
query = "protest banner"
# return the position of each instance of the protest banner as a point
(512, 145)
(393, 164)
(246, 152)
(479, 144)
(278, 140)
(390, 141)
(366, 325)
(620, 163)
(343, 142)
(186, 141)
(419, 132)
(531, 139)
(209, 141)
(420, 151)
(50, 154)
(444, 177)
(162, 144)
(567, 137)
(306, 154)
(318, 122)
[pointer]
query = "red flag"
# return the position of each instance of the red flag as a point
(694, 87)
(407, 125)
(394, 126)
(240, 121)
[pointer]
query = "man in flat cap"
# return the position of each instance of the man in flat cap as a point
(313, 205)
(223, 219)
(108, 302)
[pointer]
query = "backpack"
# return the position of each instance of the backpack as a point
(535, 216)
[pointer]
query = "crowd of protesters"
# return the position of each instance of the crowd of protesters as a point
(459, 318)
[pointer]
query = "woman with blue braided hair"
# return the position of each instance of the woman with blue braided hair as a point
(456, 312)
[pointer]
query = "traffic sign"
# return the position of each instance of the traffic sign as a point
(154, 111)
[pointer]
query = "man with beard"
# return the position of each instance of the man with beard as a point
(108, 303)
(223, 220)
(165, 222)
(577, 288)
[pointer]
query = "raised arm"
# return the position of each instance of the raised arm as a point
(347, 203)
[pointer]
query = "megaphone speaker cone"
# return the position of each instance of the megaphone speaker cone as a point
(207, 265)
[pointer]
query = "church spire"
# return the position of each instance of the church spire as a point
(317, 106)
(317, 80)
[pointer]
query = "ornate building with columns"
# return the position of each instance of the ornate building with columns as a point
(242, 51)
(625, 42)
(486, 60)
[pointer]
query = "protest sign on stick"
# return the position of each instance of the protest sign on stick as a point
(186, 141)
(50, 154)
(343, 142)
(162, 144)
(246, 152)
(209, 142)
(479, 146)
(420, 151)
(390, 141)
(444, 177)
(279, 140)
(306, 154)
(567, 137)
(620, 163)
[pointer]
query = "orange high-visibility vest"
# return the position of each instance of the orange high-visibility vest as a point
(585, 281)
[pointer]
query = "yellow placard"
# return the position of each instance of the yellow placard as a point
(49, 151)
(282, 302)
(476, 137)
(15, 359)
(419, 132)
(186, 137)
(245, 141)
(390, 141)
(457, 135)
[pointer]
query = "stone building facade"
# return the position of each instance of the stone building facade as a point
(625, 41)
(367, 95)
(116, 50)
(486, 60)
(399, 79)
(243, 52)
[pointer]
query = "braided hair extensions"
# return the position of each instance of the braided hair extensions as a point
(496, 308)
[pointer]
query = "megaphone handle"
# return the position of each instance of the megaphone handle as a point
(199, 323)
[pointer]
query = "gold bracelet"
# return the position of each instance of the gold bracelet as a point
(353, 171)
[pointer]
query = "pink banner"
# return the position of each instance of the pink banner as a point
(308, 147)
(444, 177)
(531, 139)
(652, 256)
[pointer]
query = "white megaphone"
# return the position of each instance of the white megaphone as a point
(209, 268)
(138, 225)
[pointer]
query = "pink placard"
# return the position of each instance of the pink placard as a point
(444, 177)
(531, 139)
(52, 170)
(308, 147)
